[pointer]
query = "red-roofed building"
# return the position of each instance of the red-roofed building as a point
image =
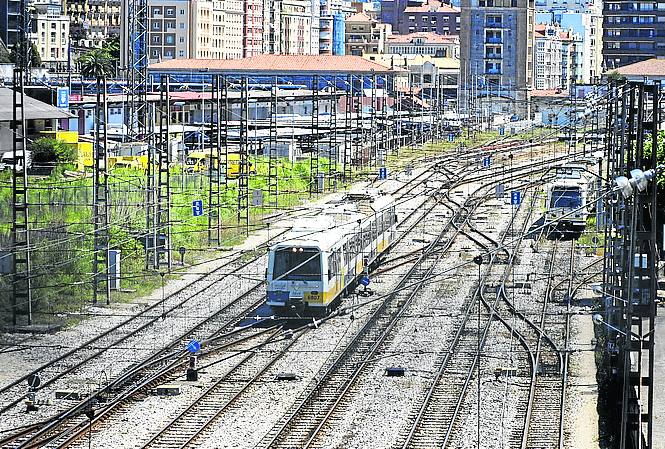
(652, 69)
(270, 65)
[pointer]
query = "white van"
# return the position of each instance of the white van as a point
(7, 160)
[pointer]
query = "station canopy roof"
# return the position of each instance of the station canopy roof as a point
(34, 109)
(275, 65)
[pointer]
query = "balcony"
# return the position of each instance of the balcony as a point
(493, 71)
(493, 24)
(492, 40)
(493, 56)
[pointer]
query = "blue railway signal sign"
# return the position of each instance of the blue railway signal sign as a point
(486, 161)
(451, 137)
(383, 173)
(194, 346)
(515, 198)
(502, 131)
(197, 208)
(364, 281)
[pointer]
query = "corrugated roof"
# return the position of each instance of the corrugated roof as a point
(34, 109)
(654, 67)
(275, 64)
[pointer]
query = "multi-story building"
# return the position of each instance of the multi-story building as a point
(232, 25)
(497, 54)
(93, 21)
(252, 28)
(50, 34)
(9, 21)
(633, 31)
(586, 21)
(410, 16)
(549, 57)
(365, 35)
(291, 27)
(424, 43)
(331, 26)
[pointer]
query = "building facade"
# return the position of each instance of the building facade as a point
(633, 31)
(424, 43)
(365, 35)
(252, 28)
(331, 26)
(586, 22)
(497, 54)
(411, 16)
(50, 34)
(93, 21)
(9, 21)
(291, 27)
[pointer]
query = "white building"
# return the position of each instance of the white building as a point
(424, 43)
(586, 20)
(50, 33)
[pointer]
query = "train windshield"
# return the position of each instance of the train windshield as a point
(567, 198)
(297, 264)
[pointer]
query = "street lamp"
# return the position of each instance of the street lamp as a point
(638, 180)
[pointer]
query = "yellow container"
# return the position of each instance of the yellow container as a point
(64, 136)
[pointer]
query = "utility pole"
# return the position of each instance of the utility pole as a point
(162, 253)
(100, 188)
(332, 137)
(243, 175)
(20, 233)
(314, 148)
(215, 165)
(273, 159)
(21, 264)
(348, 134)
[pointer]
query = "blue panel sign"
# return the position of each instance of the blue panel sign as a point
(194, 346)
(63, 97)
(451, 137)
(383, 173)
(486, 161)
(515, 198)
(502, 131)
(364, 281)
(197, 208)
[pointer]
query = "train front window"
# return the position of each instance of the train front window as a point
(566, 198)
(299, 265)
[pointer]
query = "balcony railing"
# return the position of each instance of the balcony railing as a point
(493, 24)
(493, 71)
(493, 40)
(493, 56)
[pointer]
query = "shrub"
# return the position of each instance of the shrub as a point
(47, 150)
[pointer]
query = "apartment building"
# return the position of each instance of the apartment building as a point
(252, 40)
(93, 21)
(365, 35)
(585, 19)
(497, 49)
(411, 16)
(633, 31)
(9, 21)
(331, 26)
(291, 27)
(50, 34)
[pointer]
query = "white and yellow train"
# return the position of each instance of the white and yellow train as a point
(324, 257)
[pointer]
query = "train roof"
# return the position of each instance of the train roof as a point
(336, 218)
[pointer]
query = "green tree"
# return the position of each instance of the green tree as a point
(96, 63)
(112, 45)
(47, 150)
(660, 155)
(33, 53)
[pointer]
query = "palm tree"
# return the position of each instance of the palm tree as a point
(97, 63)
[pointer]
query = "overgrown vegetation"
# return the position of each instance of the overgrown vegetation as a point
(46, 150)
(62, 232)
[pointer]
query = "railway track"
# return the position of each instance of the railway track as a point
(434, 421)
(311, 415)
(48, 435)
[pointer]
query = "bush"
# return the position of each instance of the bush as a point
(47, 150)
